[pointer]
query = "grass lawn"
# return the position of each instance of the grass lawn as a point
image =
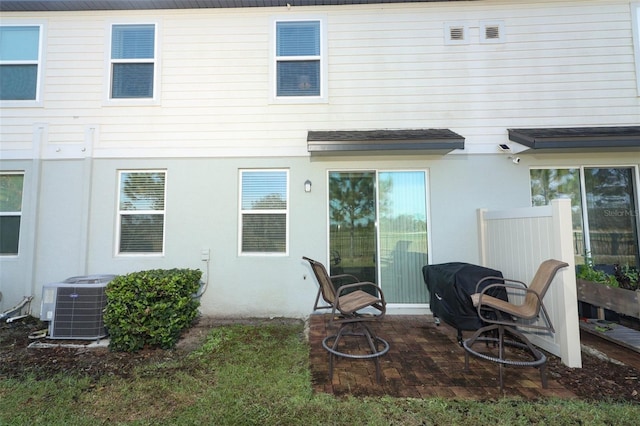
(250, 375)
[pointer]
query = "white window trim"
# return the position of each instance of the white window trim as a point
(324, 55)
(120, 213)
(13, 214)
(37, 102)
(155, 99)
(635, 22)
(285, 211)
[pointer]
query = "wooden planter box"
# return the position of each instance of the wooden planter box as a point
(622, 301)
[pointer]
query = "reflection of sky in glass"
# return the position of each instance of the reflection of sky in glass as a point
(408, 194)
(264, 189)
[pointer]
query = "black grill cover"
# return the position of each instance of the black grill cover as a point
(451, 286)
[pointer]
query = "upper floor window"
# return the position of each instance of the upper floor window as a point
(19, 62)
(133, 61)
(141, 212)
(264, 211)
(299, 59)
(10, 212)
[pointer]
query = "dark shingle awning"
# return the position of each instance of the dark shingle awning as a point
(428, 141)
(578, 139)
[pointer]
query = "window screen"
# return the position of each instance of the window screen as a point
(264, 206)
(142, 212)
(298, 58)
(19, 62)
(11, 189)
(132, 61)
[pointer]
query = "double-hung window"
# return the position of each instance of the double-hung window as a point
(264, 206)
(10, 212)
(299, 59)
(141, 212)
(20, 62)
(133, 61)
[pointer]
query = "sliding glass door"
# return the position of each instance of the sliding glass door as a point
(378, 230)
(604, 202)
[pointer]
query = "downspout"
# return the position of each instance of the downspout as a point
(87, 189)
(40, 131)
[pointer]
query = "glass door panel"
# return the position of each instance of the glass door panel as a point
(378, 230)
(403, 235)
(352, 218)
(612, 216)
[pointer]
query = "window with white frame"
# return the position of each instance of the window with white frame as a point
(11, 189)
(20, 57)
(299, 58)
(133, 61)
(141, 212)
(264, 206)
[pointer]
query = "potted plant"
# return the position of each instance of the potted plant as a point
(619, 292)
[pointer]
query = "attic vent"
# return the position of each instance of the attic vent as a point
(456, 33)
(492, 32)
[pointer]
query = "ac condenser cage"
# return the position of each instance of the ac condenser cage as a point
(75, 307)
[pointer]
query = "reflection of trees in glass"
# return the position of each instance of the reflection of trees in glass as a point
(550, 184)
(610, 205)
(143, 191)
(11, 192)
(270, 202)
(352, 203)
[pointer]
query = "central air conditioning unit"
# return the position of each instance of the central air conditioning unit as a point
(75, 307)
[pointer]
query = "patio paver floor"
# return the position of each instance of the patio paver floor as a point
(424, 360)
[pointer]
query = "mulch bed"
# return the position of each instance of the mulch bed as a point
(598, 380)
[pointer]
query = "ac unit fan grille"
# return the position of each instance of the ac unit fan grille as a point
(79, 313)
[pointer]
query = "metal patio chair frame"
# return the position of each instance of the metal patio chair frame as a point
(503, 317)
(347, 303)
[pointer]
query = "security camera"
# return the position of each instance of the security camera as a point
(515, 160)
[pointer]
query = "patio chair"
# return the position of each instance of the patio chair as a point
(503, 317)
(352, 306)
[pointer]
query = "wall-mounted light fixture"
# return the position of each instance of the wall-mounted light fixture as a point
(307, 186)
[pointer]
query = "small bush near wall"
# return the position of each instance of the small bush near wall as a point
(150, 308)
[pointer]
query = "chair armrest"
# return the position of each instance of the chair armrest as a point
(499, 279)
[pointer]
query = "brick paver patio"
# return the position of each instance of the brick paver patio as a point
(424, 360)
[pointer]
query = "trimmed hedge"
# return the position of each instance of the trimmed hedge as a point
(150, 308)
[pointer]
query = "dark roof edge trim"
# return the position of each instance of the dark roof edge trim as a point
(83, 5)
(577, 137)
(431, 140)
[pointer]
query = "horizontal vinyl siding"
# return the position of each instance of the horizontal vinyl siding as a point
(563, 63)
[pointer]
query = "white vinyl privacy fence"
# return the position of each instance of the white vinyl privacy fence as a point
(515, 242)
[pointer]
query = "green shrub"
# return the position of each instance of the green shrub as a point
(150, 308)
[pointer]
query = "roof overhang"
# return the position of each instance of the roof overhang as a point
(70, 5)
(424, 141)
(579, 139)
